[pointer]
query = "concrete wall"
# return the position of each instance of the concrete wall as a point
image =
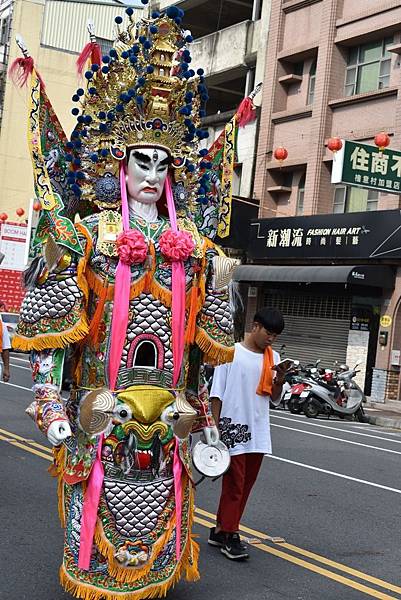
(59, 73)
(222, 51)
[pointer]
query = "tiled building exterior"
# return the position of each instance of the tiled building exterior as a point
(333, 68)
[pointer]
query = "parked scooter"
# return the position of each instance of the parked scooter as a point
(341, 397)
(295, 397)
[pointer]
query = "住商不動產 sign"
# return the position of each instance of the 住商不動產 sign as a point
(367, 166)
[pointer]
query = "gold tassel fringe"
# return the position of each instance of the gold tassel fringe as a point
(215, 353)
(52, 340)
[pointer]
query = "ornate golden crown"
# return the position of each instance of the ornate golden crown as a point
(143, 94)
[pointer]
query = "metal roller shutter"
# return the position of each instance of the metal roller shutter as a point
(316, 326)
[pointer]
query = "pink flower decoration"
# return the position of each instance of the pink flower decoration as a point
(132, 247)
(176, 245)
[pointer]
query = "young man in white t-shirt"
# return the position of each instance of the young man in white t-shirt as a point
(240, 396)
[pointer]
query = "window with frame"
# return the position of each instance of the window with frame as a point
(368, 67)
(312, 81)
(301, 196)
(4, 31)
(349, 199)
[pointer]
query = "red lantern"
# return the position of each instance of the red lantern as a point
(334, 144)
(382, 140)
(37, 206)
(20, 212)
(3, 217)
(280, 153)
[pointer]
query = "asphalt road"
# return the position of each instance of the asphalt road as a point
(332, 490)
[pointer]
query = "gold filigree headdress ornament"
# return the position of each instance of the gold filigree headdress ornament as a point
(143, 94)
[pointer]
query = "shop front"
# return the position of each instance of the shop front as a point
(337, 280)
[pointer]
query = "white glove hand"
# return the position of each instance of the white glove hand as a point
(58, 431)
(212, 435)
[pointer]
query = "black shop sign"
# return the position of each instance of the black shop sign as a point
(362, 235)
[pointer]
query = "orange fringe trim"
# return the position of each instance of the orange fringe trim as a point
(85, 591)
(215, 353)
(193, 312)
(53, 340)
(57, 470)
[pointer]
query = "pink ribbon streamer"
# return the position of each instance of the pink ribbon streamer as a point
(178, 293)
(177, 472)
(118, 332)
(119, 322)
(89, 510)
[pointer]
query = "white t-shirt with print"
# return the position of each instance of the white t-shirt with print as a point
(6, 343)
(244, 418)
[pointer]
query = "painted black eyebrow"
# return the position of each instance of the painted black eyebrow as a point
(142, 157)
(165, 161)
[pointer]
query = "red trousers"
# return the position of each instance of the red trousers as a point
(236, 487)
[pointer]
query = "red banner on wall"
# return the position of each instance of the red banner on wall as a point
(11, 290)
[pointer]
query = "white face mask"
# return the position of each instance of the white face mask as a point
(146, 173)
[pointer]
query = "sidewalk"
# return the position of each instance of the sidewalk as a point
(385, 415)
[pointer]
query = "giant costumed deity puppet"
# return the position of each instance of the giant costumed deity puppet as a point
(137, 292)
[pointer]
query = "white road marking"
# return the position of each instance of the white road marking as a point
(25, 360)
(343, 430)
(17, 386)
(20, 367)
(312, 468)
(336, 439)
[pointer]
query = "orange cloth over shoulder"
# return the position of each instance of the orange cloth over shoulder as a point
(266, 379)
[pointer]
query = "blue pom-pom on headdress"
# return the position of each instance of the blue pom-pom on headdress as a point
(106, 59)
(113, 52)
(75, 98)
(105, 70)
(94, 157)
(118, 20)
(75, 111)
(88, 74)
(189, 39)
(153, 29)
(104, 152)
(95, 67)
(155, 14)
(124, 54)
(172, 12)
(92, 91)
(129, 11)
(149, 69)
(80, 92)
(147, 44)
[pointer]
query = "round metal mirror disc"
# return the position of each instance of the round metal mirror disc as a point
(211, 461)
(95, 411)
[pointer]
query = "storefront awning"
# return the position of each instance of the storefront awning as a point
(367, 275)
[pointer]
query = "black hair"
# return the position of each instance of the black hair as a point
(271, 319)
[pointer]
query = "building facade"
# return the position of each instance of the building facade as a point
(55, 33)
(230, 45)
(332, 69)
